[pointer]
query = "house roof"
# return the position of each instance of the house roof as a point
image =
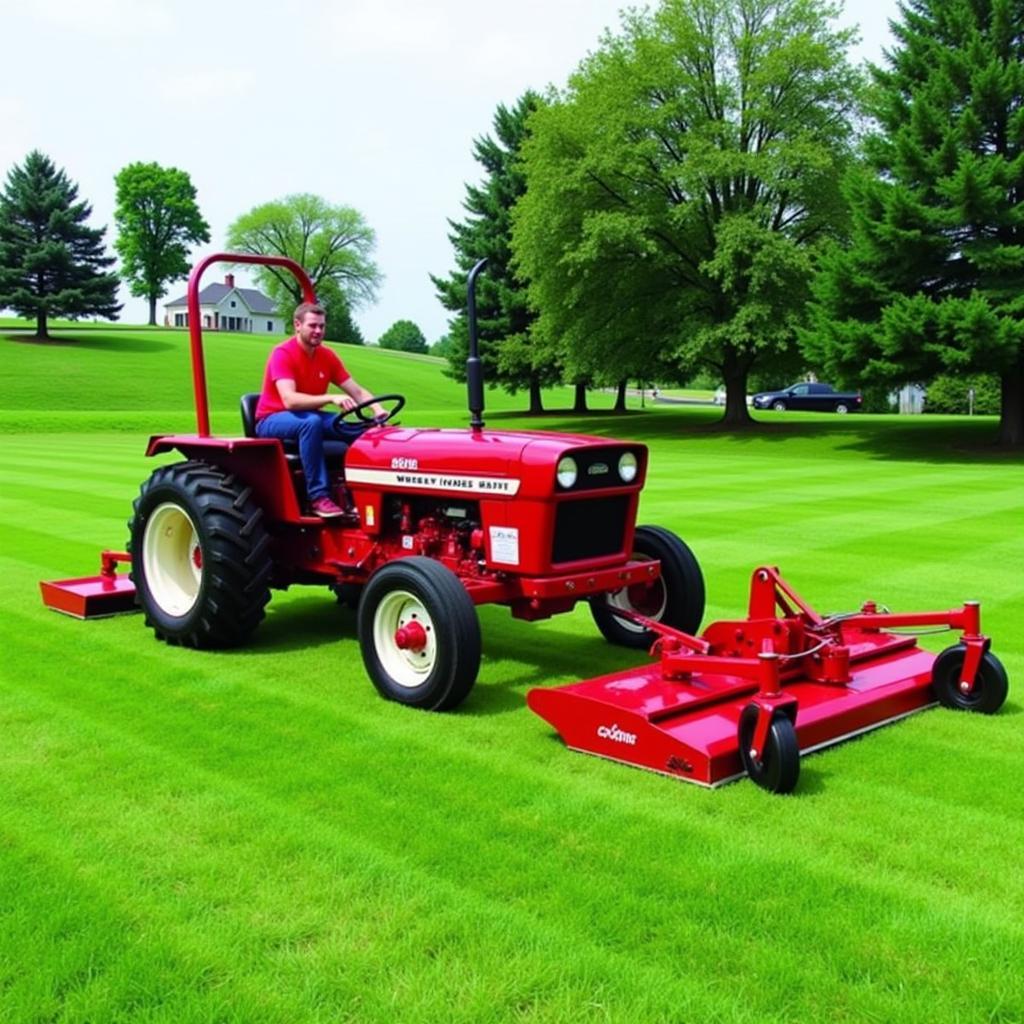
(256, 301)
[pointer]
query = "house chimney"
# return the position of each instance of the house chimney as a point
(229, 280)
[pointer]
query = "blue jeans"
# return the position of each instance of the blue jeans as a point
(311, 429)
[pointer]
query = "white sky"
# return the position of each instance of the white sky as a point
(368, 103)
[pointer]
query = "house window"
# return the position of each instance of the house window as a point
(270, 326)
(232, 303)
(179, 320)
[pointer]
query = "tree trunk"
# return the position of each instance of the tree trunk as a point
(41, 324)
(735, 371)
(536, 399)
(580, 403)
(620, 397)
(152, 311)
(1011, 414)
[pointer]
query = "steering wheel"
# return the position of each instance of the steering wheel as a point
(348, 417)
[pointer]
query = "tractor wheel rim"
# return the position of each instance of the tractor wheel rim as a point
(172, 559)
(409, 667)
(649, 600)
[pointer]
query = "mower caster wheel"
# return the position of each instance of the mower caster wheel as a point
(676, 598)
(990, 686)
(419, 634)
(779, 767)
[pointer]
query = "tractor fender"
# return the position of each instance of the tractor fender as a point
(257, 461)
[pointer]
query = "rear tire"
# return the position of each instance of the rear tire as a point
(676, 598)
(990, 686)
(778, 770)
(842, 408)
(200, 556)
(420, 596)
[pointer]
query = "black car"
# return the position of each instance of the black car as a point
(808, 397)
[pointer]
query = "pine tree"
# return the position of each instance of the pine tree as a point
(509, 353)
(51, 263)
(932, 280)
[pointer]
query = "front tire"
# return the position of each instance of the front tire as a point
(675, 598)
(200, 556)
(419, 634)
(990, 686)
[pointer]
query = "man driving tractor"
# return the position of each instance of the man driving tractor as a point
(294, 397)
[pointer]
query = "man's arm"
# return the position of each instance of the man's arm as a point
(358, 394)
(298, 401)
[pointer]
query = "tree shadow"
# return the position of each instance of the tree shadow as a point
(104, 342)
(538, 657)
(918, 438)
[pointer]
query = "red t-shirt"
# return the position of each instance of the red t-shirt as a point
(312, 374)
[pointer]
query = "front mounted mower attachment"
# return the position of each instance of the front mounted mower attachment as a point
(750, 696)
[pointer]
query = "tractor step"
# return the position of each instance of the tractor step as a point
(93, 597)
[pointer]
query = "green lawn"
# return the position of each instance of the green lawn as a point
(255, 836)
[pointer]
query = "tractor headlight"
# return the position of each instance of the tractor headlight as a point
(627, 467)
(567, 471)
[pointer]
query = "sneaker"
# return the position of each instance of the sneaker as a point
(326, 509)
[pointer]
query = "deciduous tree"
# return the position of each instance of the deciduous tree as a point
(158, 221)
(340, 325)
(332, 243)
(51, 262)
(677, 189)
(404, 336)
(932, 279)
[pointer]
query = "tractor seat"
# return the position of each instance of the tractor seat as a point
(334, 451)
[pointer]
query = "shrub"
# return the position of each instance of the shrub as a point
(948, 394)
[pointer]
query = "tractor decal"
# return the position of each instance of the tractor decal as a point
(616, 735)
(435, 481)
(504, 545)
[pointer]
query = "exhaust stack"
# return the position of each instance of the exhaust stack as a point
(474, 368)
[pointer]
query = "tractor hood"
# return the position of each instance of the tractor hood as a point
(486, 463)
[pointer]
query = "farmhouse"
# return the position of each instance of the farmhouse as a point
(226, 307)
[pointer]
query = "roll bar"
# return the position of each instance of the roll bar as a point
(195, 328)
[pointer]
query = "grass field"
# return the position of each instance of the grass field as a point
(255, 836)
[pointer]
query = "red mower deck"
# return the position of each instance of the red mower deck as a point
(751, 696)
(93, 597)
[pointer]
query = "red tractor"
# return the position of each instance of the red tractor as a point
(447, 520)
(450, 519)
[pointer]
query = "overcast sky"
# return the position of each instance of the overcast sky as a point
(368, 103)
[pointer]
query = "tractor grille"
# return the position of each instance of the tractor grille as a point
(589, 529)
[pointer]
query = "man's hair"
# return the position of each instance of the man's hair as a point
(308, 307)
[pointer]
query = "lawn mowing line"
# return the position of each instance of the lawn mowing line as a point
(329, 708)
(383, 864)
(587, 794)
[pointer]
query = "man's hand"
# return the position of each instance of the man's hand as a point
(345, 402)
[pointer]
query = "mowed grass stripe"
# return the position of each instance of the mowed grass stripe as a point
(591, 876)
(624, 840)
(274, 842)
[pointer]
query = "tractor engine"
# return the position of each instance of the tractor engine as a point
(448, 531)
